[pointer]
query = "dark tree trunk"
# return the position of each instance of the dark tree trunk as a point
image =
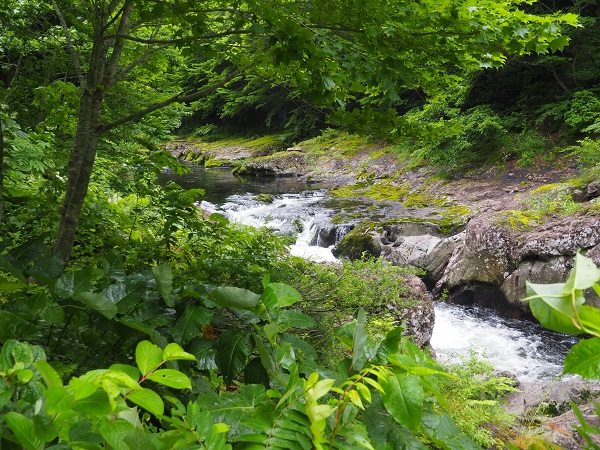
(100, 77)
(1, 176)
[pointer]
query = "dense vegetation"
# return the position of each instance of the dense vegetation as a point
(130, 320)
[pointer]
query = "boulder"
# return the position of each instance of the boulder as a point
(280, 164)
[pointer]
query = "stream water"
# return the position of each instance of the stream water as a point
(520, 347)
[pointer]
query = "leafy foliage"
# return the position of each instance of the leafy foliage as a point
(562, 307)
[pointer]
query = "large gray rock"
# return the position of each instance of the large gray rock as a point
(504, 260)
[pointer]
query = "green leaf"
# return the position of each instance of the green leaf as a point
(114, 432)
(149, 400)
(584, 359)
(97, 302)
(285, 356)
(58, 400)
(174, 352)
(281, 294)
(131, 371)
(164, 282)
(97, 404)
(72, 282)
(24, 430)
(233, 350)
(50, 376)
(583, 276)
(294, 318)
(189, 325)
(148, 357)
(233, 297)
(559, 43)
(359, 341)
(171, 378)
(403, 399)
(551, 308)
(138, 439)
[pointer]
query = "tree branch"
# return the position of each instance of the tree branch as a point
(180, 40)
(179, 98)
(115, 57)
(72, 51)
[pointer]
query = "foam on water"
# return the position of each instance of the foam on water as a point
(520, 347)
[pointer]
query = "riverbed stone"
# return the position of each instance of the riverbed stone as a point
(548, 402)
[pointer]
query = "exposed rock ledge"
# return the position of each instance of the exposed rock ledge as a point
(485, 264)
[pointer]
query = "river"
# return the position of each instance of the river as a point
(305, 210)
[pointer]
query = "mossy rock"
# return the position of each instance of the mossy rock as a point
(279, 164)
(215, 162)
(266, 198)
(359, 242)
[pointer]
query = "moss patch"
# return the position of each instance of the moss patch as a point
(378, 191)
(266, 198)
(215, 162)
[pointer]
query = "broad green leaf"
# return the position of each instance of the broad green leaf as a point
(233, 297)
(97, 302)
(584, 359)
(271, 330)
(403, 399)
(148, 357)
(174, 352)
(9, 286)
(442, 430)
(72, 282)
(295, 319)
(551, 309)
(558, 43)
(48, 309)
(590, 318)
(97, 404)
(164, 282)
(189, 325)
(114, 432)
(50, 376)
(81, 388)
(583, 276)
(205, 351)
(24, 430)
(285, 355)
(282, 294)
(359, 341)
(171, 378)
(58, 400)
(314, 389)
(139, 439)
(131, 371)
(233, 350)
(149, 400)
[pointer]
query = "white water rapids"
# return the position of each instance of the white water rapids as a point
(523, 348)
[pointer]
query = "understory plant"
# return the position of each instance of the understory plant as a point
(213, 367)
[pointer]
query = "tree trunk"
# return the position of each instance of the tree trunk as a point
(1, 175)
(81, 164)
(100, 77)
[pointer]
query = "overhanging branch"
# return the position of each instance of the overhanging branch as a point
(179, 98)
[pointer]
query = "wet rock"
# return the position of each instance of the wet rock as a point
(281, 164)
(549, 403)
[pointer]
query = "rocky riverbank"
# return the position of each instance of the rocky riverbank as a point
(477, 238)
